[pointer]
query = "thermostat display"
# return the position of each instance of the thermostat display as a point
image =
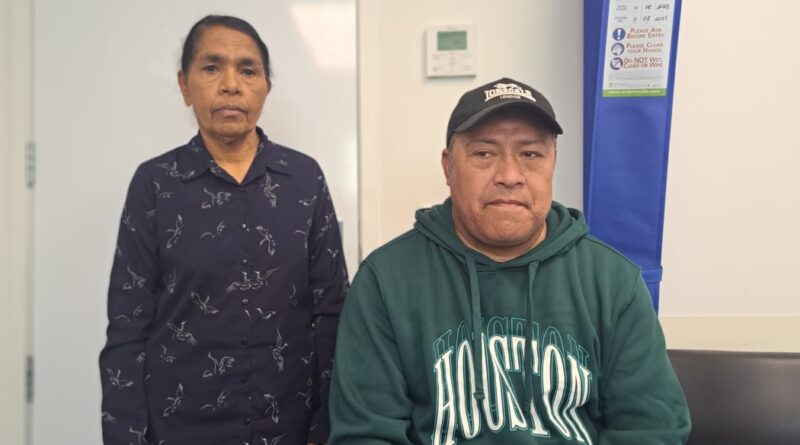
(451, 40)
(451, 51)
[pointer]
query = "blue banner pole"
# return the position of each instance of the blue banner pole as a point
(629, 75)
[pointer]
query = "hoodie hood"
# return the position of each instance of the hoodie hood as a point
(564, 228)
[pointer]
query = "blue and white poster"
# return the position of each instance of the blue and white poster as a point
(638, 47)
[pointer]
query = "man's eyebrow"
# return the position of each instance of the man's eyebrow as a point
(483, 141)
(492, 141)
(534, 141)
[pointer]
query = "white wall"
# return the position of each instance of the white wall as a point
(731, 243)
(404, 114)
(14, 216)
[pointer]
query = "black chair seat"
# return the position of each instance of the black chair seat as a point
(735, 398)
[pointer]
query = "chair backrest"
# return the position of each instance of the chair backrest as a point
(737, 398)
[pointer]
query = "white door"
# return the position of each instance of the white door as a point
(106, 99)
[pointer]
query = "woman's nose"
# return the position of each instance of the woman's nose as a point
(230, 81)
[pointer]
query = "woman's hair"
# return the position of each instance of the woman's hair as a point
(227, 21)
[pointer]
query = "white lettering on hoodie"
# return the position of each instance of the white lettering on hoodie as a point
(564, 385)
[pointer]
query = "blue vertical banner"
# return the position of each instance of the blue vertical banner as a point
(629, 75)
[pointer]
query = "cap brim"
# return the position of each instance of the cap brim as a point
(548, 121)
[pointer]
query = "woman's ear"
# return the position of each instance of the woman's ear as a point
(184, 86)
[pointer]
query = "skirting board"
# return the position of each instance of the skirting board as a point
(732, 333)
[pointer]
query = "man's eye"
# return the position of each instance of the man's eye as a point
(249, 72)
(531, 154)
(482, 154)
(210, 68)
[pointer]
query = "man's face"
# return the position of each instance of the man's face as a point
(500, 174)
(225, 85)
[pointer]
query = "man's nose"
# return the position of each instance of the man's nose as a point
(509, 171)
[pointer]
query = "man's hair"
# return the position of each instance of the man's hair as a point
(230, 22)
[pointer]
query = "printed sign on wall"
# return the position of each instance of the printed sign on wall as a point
(638, 48)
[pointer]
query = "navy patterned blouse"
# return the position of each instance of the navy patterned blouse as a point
(223, 303)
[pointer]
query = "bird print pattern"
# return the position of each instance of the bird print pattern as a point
(247, 284)
(203, 304)
(215, 199)
(165, 357)
(106, 417)
(269, 191)
(217, 232)
(173, 402)
(117, 381)
(277, 350)
(218, 404)
(213, 280)
(220, 366)
(268, 239)
(137, 313)
(175, 233)
(180, 333)
(135, 281)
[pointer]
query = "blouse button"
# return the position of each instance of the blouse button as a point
(245, 301)
(244, 226)
(245, 342)
(247, 421)
(243, 261)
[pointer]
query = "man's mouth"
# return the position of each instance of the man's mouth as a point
(507, 203)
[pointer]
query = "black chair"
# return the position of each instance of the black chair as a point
(735, 398)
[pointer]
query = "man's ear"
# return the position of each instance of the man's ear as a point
(446, 164)
(555, 150)
(184, 86)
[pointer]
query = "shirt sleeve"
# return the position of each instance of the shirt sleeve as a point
(369, 394)
(641, 398)
(132, 296)
(329, 285)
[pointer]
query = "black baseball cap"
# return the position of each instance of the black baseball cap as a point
(476, 104)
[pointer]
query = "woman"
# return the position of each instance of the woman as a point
(228, 277)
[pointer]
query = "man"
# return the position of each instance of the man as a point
(498, 319)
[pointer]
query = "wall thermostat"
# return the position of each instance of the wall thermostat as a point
(452, 51)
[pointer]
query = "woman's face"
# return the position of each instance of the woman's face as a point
(225, 85)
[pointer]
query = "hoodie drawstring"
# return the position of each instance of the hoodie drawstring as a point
(528, 368)
(477, 329)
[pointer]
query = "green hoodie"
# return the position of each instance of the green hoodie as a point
(436, 341)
